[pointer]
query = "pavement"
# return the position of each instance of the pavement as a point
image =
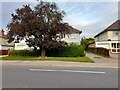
(101, 59)
(61, 64)
(101, 62)
(60, 74)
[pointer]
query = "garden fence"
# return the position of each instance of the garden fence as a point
(99, 50)
(4, 52)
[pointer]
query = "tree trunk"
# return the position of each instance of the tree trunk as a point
(42, 52)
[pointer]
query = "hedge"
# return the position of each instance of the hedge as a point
(24, 53)
(67, 51)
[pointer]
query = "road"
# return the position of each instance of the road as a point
(36, 76)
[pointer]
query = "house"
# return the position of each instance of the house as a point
(74, 37)
(22, 45)
(109, 38)
(4, 45)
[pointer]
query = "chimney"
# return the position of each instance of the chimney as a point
(1, 33)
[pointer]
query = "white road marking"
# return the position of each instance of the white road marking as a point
(26, 61)
(75, 71)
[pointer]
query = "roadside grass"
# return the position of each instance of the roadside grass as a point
(26, 58)
(97, 57)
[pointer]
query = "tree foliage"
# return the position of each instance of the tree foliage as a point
(41, 27)
(87, 41)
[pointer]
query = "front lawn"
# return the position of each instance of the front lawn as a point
(74, 59)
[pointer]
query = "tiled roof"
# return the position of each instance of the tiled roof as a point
(115, 26)
(73, 30)
(3, 41)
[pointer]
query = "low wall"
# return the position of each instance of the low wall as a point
(3, 52)
(115, 55)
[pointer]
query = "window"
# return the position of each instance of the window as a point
(116, 33)
(113, 45)
(72, 36)
(118, 45)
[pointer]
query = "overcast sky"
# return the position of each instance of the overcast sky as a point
(89, 17)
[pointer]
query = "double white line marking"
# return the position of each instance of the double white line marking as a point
(74, 71)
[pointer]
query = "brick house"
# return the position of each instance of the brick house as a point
(4, 45)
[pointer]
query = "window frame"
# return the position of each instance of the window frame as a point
(115, 33)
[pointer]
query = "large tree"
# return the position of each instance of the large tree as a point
(41, 27)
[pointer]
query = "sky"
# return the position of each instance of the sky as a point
(88, 17)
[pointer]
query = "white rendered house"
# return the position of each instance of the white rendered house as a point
(74, 37)
(109, 38)
(22, 46)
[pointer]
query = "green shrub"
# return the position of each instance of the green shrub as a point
(24, 53)
(68, 51)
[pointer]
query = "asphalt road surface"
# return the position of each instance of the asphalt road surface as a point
(28, 76)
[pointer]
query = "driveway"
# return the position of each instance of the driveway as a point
(101, 59)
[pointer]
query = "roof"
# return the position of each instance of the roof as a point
(73, 30)
(4, 42)
(115, 26)
(3, 39)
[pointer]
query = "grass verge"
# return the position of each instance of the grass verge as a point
(74, 59)
(97, 57)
